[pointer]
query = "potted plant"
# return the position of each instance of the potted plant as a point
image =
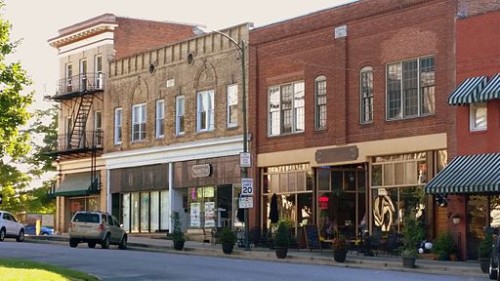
(227, 238)
(484, 251)
(282, 240)
(444, 246)
(178, 237)
(413, 234)
(339, 246)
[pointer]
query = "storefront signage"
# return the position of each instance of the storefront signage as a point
(200, 171)
(337, 154)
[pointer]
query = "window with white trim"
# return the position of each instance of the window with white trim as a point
(286, 109)
(366, 92)
(118, 125)
(98, 72)
(232, 106)
(160, 118)
(179, 115)
(320, 94)
(138, 122)
(410, 88)
(98, 128)
(205, 111)
(478, 117)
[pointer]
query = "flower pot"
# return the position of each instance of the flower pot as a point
(484, 263)
(227, 248)
(409, 262)
(339, 255)
(179, 245)
(281, 252)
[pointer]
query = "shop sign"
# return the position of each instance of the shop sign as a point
(200, 171)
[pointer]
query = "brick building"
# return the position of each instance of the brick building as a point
(349, 113)
(84, 52)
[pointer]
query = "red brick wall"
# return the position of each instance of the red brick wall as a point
(133, 35)
(379, 32)
(478, 54)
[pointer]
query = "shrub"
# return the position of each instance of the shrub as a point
(227, 236)
(444, 246)
(282, 237)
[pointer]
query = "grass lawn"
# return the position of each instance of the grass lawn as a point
(24, 270)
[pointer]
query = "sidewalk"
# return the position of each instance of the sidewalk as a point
(304, 256)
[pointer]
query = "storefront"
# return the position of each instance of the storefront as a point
(209, 189)
(140, 197)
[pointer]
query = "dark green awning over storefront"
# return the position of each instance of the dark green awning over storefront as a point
(468, 91)
(77, 185)
(478, 173)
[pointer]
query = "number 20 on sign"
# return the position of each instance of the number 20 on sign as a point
(246, 186)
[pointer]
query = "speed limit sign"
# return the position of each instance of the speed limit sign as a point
(246, 186)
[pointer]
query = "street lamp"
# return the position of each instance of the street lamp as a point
(244, 170)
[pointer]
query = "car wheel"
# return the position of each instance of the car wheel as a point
(73, 243)
(105, 243)
(123, 243)
(91, 245)
(20, 237)
(2, 234)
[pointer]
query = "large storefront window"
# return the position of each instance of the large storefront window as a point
(90, 203)
(397, 190)
(477, 208)
(293, 186)
(211, 206)
(146, 211)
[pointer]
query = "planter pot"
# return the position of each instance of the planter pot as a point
(409, 262)
(179, 245)
(340, 255)
(227, 248)
(485, 265)
(281, 252)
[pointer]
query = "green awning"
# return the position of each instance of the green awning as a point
(77, 185)
(477, 173)
(491, 91)
(468, 91)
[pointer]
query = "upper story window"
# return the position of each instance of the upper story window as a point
(179, 115)
(160, 118)
(320, 97)
(138, 122)
(232, 105)
(98, 72)
(366, 95)
(98, 128)
(286, 109)
(410, 88)
(83, 75)
(118, 126)
(478, 117)
(69, 75)
(205, 111)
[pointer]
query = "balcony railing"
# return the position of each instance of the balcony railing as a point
(80, 83)
(87, 141)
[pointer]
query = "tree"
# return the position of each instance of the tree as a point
(14, 143)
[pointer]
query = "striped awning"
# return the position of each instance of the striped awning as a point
(478, 173)
(491, 91)
(468, 91)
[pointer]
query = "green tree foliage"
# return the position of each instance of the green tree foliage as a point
(14, 143)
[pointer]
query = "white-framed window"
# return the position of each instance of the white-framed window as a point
(118, 126)
(98, 128)
(69, 77)
(366, 94)
(286, 109)
(320, 100)
(98, 72)
(232, 106)
(160, 119)
(138, 122)
(478, 117)
(83, 75)
(410, 88)
(205, 111)
(179, 115)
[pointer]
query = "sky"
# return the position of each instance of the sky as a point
(35, 22)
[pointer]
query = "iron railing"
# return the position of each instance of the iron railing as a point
(87, 140)
(88, 82)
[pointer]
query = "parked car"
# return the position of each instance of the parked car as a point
(44, 230)
(96, 228)
(10, 227)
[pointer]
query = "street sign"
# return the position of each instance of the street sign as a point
(245, 160)
(246, 186)
(245, 202)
